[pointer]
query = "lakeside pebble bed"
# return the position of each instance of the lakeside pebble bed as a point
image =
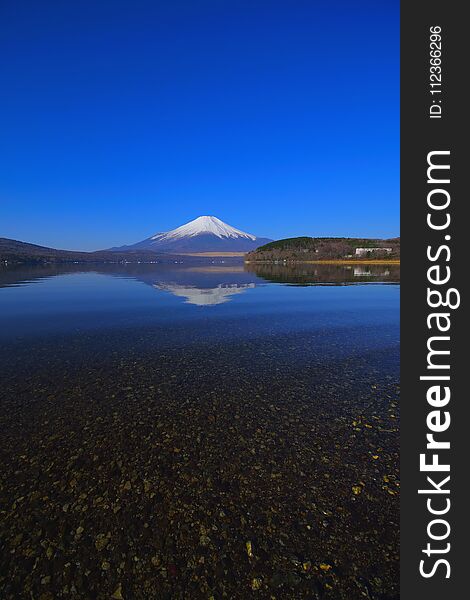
(263, 468)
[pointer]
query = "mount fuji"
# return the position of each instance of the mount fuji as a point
(204, 234)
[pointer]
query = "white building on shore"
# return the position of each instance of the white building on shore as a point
(365, 251)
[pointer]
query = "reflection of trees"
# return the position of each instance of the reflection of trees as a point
(305, 274)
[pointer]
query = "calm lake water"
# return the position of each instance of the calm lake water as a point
(197, 431)
(207, 301)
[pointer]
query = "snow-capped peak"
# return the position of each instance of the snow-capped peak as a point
(204, 225)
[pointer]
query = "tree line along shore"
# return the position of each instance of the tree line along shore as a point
(329, 251)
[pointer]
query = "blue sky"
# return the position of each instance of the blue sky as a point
(122, 118)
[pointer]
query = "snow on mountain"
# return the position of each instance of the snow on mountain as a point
(204, 234)
(201, 226)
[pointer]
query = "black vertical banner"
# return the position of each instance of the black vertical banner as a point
(435, 432)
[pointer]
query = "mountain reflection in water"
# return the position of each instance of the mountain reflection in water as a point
(196, 284)
(210, 285)
(205, 296)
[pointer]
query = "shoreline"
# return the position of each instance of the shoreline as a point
(325, 262)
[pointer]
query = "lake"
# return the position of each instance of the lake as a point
(197, 431)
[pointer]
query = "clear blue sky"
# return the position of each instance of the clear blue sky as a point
(122, 118)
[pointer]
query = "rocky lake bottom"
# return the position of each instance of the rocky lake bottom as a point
(249, 453)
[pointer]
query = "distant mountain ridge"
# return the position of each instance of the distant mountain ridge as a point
(203, 234)
(190, 244)
(16, 252)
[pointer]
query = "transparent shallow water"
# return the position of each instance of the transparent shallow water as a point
(154, 420)
(207, 302)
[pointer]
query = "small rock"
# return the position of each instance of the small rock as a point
(256, 583)
(117, 594)
(101, 542)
